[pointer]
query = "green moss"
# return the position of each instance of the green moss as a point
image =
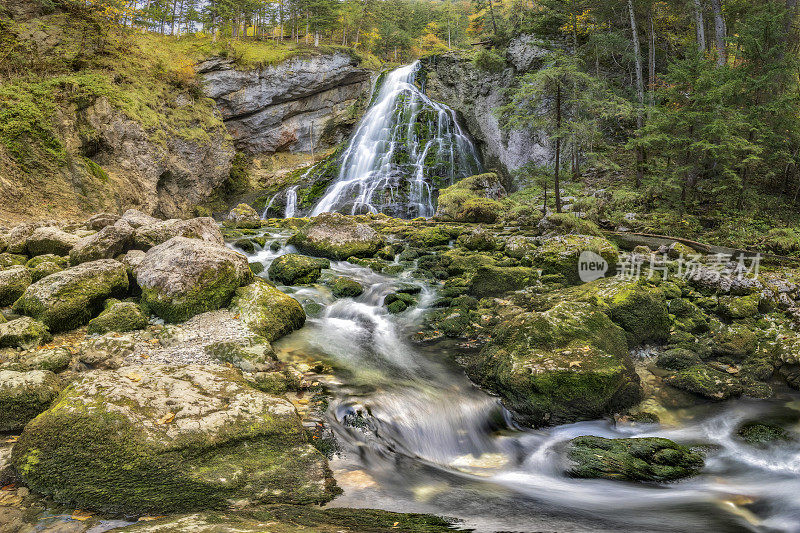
(495, 281)
(635, 459)
(762, 434)
(120, 317)
(738, 307)
(23, 395)
(678, 359)
(295, 269)
(9, 259)
(706, 382)
(343, 287)
(560, 255)
(267, 311)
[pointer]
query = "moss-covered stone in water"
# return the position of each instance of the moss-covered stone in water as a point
(566, 364)
(120, 317)
(23, 395)
(245, 245)
(267, 311)
(762, 434)
(13, 282)
(635, 459)
(678, 359)
(343, 287)
(170, 439)
(560, 255)
(256, 267)
(706, 382)
(494, 281)
(397, 302)
(337, 236)
(688, 316)
(295, 269)
(70, 298)
(736, 341)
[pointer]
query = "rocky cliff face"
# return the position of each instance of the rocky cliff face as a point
(289, 107)
(454, 79)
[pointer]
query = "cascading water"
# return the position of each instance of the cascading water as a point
(291, 202)
(405, 148)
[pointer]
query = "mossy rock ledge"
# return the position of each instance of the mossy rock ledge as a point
(165, 439)
(338, 237)
(70, 298)
(562, 365)
(634, 459)
(184, 277)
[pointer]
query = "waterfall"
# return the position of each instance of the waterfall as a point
(269, 204)
(406, 147)
(291, 202)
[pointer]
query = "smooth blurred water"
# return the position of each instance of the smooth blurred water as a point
(417, 435)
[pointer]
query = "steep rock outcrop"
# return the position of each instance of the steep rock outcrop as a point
(454, 79)
(272, 109)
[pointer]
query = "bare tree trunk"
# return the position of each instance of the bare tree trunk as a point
(651, 62)
(557, 165)
(699, 25)
(637, 53)
(720, 32)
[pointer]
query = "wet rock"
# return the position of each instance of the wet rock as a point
(70, 298)
(202, 228)
(159, 439)
(678, 359)
(242, 216)
(495, 281)
(13, 282)
(295, 269)
(245, 245)
(267, 311)
(337, 236)
(184, 277)
(706, 382)
(23, 395)
(635, 459)
(762, 434)
(688, 316)
(107, 243)
(118, 316)
(568, 363)
(397, 302)
(24, 332)
(343, 287)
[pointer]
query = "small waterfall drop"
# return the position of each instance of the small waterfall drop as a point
(406, 147)
(291, 202)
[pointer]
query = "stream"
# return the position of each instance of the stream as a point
(416, 435)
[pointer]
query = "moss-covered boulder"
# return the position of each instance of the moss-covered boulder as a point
(118, 316)
(242, 216)
(561, 255)
(337, 236)
(61, 261)
(343, 287)
(706, 382)
(42, 270)
(295, 269)
(202, 228)
(635, 459)
(678, 359)
(736, 341)
(735, 307)
(565, 364)
(23, 332)
(473, 199)
(184, 277)
(13, 282)
(70, 298)
(495, 280)
(9, 259)
(479, 239)
(267, 311)
(688, 316)
(159, 439)
(50, 240)
(762, 434)
(137, 218)
(23, 395)
(399, 301)
(107, 243)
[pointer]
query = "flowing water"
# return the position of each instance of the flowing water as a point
(405, 148)
(416, 435)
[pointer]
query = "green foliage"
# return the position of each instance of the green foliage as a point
(488, 60)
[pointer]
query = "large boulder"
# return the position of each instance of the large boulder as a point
(23, 395)
(138, 219)
(561, 256)
(183, 277)
(18, 236)
(267, 311)
(13, 282)
(107, 243)
(70, 298)
(635, 459)
(50, 240)
(118, 316)
(705, 381)
(565, 364)
(295, 269)
(23, 332)
(495, 280)
(160, 439)
(242, 216)
(101, 220)
(337, 236)
(203, 228)
(473, 199)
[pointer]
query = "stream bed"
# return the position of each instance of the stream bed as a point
(415, 435)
